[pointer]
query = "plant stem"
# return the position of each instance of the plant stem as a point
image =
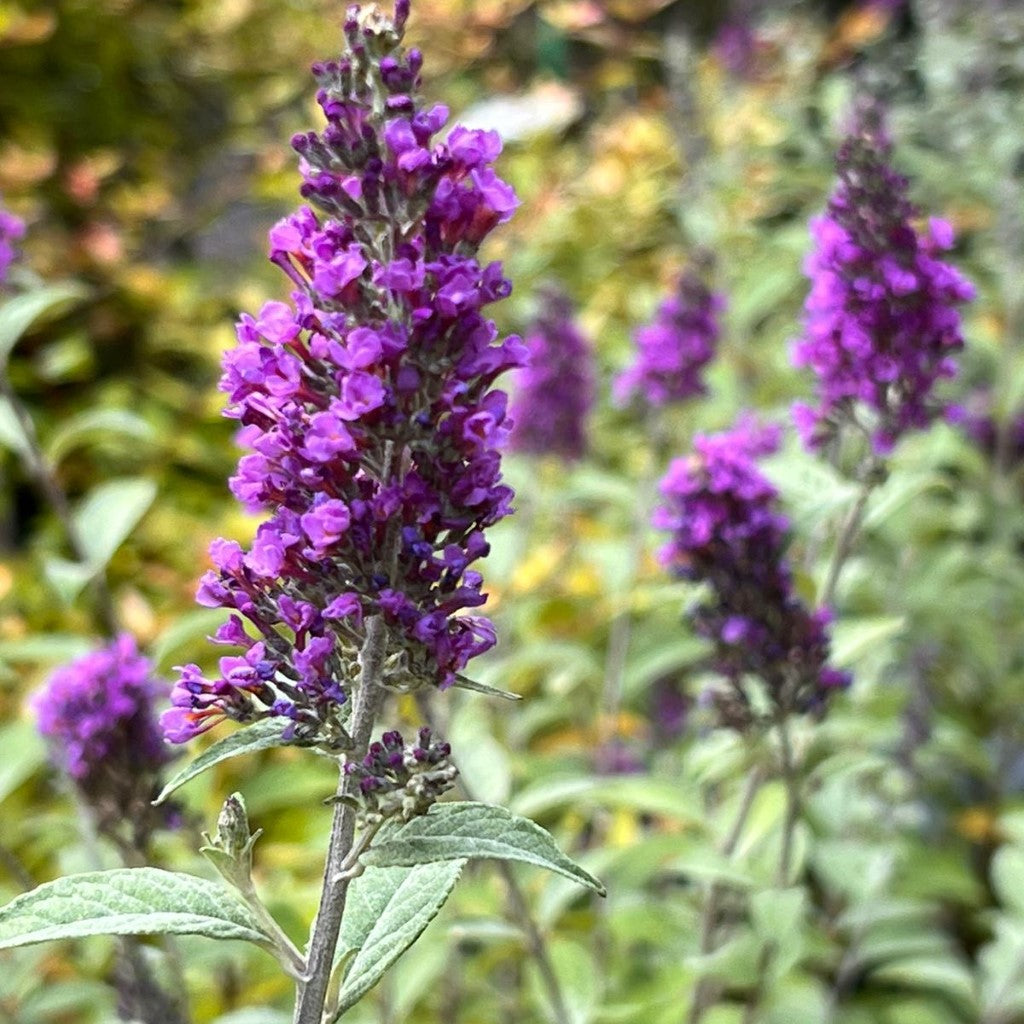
(49, 486)
(517, 902)
(848, 532)
(706, 992)
(790, 778)
(312, 991)
(535, 941)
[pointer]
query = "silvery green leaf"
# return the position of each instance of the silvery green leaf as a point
(127, 901)
(17, 315)
(109, 514)
(261, 735)
(469, 830)
(12, 435)
(76, 430)
(385, 913)
(23, 751)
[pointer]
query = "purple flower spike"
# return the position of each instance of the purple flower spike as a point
(674, 350)
(728, 534)
(368, 410)
(881, 324)
(12, 230)
(98, 715)
(556, 389)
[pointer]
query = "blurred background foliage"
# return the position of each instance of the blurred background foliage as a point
(146, 144)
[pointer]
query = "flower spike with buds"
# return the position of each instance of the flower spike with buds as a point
(368, 410)
(674, 350)
(881, 324)
(727, 533)
(556, 389)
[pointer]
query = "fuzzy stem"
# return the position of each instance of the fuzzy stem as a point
(791, 778)
(850, 529)
(706, 992)
(49, 486)
(312, 992)
(535, 941)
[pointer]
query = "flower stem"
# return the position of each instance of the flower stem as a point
(49, 486)
(791, 779)
(706, 992)
(850, 529)
(312, 991)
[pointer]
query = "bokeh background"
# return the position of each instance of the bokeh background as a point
(145, 142)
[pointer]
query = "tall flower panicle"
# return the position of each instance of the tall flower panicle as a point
(367, 408)
(728, 533)
(674, 350)
(556, 388)
(881, 323)
(99, 715)
(12, 230)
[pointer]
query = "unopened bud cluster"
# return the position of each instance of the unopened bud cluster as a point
(400, 780)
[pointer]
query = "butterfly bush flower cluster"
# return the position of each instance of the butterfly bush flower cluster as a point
(727, 533)
(881, 320)
(98, 713)
(367, 408)
(402, 780)
(556, 389)
(674, 350)
(12, 230)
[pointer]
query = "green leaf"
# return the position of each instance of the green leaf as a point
(255, 1015)
(76, 430)
(469, 830)
(110, 513)
(645, 795)
(127, 901)
(385, 913)
(260, 735)
(20, 313)
(12, 436)
(1007, 873)
(104, 521)
(23, 751)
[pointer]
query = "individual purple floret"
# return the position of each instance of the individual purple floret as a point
(12, 230)
(727, 533)
(673, 351)
(98, 714)
(556, 388)
(367, 408)
(881, 324)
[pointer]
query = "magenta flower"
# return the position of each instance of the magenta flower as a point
(727, 532)
(881, 324)
(12, 230)
(368, 410)
(674, 350)
(556, 389)
(98, 714)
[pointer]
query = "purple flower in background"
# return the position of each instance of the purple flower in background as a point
(367, 408)
(12, 230)
(556, 389)
(999, 438)
(881, 324)
(673, 351)
(727, 533)
(98, 714)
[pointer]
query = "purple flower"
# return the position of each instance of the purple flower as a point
(98, 714)
(881, 324)
(673, 351)
(556, 389)
(727, 532)
(368, 408)
(12, 230)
